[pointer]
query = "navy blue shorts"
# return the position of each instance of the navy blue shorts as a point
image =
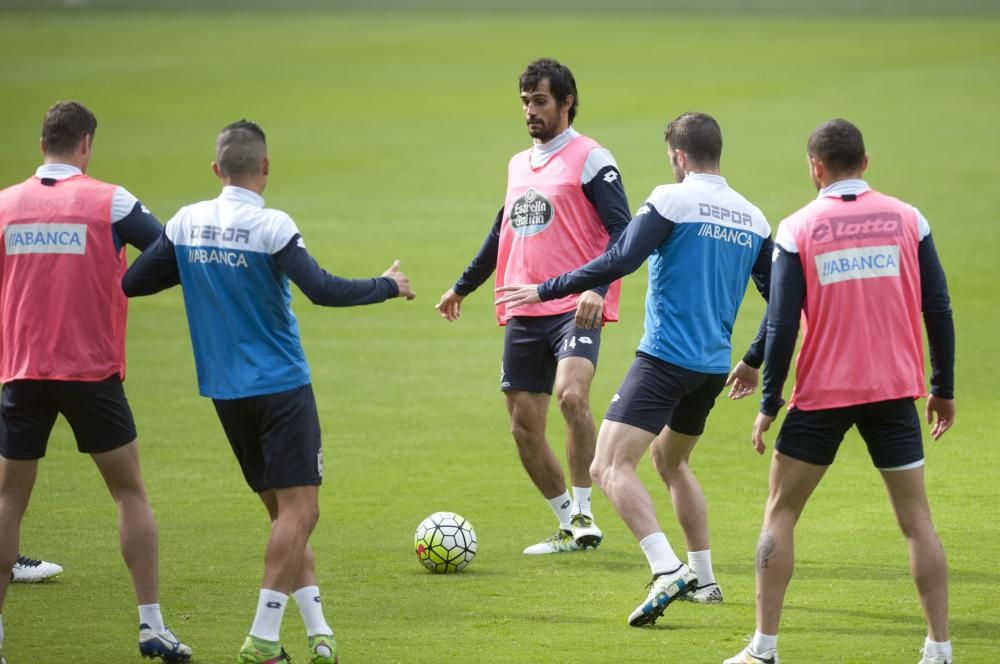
(656, 393)
(97, 411)
(275, 437)
(891, 429)
(533, 346)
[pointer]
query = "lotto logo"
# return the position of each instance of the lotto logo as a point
(610, 176)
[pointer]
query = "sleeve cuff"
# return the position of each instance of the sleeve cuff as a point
(393, 287)
(751, 359)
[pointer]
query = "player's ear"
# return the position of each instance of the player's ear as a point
(568, 102)
(217, 170)
(266, 167)
(864, 163)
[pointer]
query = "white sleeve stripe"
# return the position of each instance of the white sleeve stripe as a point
(922, 226)
(122, 204)
(785, 240)
(598, 159)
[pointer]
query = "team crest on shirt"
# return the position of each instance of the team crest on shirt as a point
(531, 213)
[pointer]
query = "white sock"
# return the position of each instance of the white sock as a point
(1, 631)
(763, 643)
(701, 563)
(561, 506)
(149, 614)
(931, 648)
(311, 609)
(659, 554)
(581, 500)
(270, 610)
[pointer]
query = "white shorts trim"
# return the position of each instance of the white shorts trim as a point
(908, 466)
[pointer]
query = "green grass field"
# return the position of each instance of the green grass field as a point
(389, 134)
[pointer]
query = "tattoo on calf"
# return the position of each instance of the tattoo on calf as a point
(765, 548)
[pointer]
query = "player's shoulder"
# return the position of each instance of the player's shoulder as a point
(759, 221)
(668, 200)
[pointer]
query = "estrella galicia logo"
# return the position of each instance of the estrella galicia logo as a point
(531, 213)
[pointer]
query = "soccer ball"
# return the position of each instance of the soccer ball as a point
(445, 542)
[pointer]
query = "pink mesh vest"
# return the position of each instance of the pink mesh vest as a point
(60, 290)
(549, 227)
(862, 339)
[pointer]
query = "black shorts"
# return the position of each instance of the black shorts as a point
(275, 437)
(97, 411)
(891, 429)
(533, 346)
(657, 393)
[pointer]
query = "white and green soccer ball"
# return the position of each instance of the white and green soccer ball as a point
(445, 542)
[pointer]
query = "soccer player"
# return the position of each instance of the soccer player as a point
(860, 267)
(233, 258)
(62, 348)
(32, 570)
(565, 205)
(704, 241)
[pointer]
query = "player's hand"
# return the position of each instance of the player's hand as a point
(401, 280)
(945, 410)
(742, 381)
(517, 295)
(589, 310)
(450, 306)
(760, 425)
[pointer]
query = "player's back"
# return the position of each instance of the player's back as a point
(61, 302)
(698, 276)
(862, 341)
(238, 301)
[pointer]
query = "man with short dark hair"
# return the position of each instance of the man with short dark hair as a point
(62, 348)
(233, 258)
(565, 205)
(704, 241)
(860, 267)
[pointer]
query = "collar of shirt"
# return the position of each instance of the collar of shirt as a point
(542, 152)
(841, 187)
(57, 171)
(241, 195)
(704, 177)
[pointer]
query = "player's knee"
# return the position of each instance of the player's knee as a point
(599, 473)
(573, 403)
(525, 434)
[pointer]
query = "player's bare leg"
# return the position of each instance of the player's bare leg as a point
(17, 478)
(670, 454)
(137, 531)
(927, 560)
(791, 483)
(619, 448)
(139, 540)
(297, 515)
(528, 411)
(572, 389)
(307, 576)
(322, 645)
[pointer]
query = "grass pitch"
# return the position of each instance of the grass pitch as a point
(389, 134)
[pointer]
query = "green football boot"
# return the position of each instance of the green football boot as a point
(323, 649)
(259, 651)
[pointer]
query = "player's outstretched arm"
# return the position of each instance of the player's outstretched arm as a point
(328, 290)
(154, 270)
